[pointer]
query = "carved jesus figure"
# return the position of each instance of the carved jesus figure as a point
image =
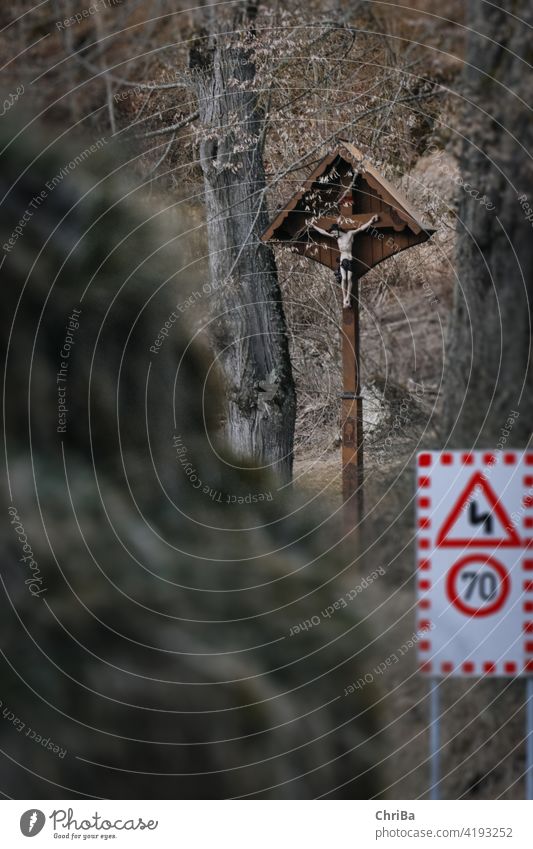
(344, 242)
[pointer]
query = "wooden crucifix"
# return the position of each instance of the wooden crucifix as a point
(345, 189)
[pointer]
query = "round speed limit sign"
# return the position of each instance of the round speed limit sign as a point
(478, 585)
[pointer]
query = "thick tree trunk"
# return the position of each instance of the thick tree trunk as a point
(248, 329)
(489, 370)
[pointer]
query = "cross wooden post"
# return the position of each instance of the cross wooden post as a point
(319, 198)
(352, 416)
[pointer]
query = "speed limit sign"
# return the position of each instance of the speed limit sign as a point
(475, 563)
(478, 585)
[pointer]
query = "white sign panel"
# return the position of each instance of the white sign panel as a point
(475, 562)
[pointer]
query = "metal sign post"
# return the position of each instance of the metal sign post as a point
(529, 738)
(434, 739)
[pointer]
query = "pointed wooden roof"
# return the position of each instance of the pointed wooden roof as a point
(388, 192)
(352, 155)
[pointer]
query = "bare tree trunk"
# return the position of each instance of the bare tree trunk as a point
(249, 329)
(489, 370)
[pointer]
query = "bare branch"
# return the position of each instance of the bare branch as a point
(164, 155)
(130, 83)
(172, 129)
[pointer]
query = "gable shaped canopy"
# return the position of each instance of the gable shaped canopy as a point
(344, 184)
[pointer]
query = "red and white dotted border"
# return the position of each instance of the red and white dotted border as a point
(509, 458)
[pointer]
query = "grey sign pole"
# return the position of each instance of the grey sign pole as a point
(529, 738)
(434, 739)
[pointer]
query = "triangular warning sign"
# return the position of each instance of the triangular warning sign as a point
(478, 519)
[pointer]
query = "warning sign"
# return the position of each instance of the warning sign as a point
(478, 518)
(475, 562)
